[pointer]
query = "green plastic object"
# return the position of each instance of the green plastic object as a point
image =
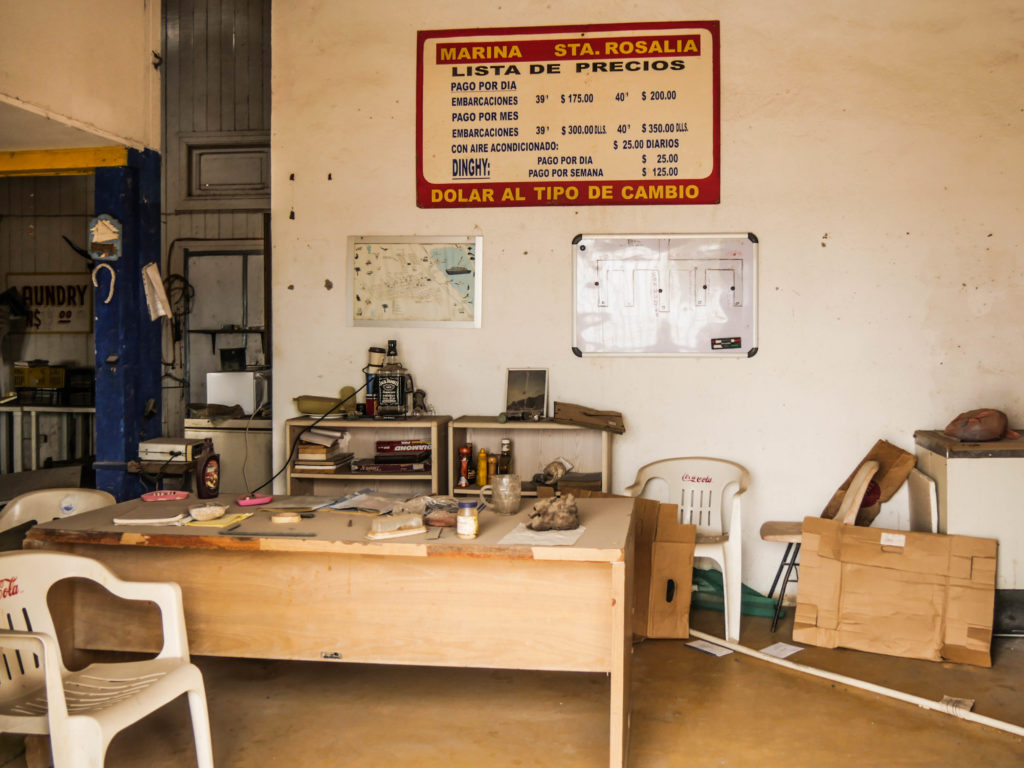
(708, 593)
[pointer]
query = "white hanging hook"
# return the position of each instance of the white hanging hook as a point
(113, 279)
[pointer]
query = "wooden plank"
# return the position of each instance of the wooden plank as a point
(61, 162)
(393, 610)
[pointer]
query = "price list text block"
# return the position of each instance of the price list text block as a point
(591, 115)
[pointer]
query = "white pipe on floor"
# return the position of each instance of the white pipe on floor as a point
(935, 706)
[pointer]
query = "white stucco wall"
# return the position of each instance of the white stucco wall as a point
(87, 65)
(874, 148)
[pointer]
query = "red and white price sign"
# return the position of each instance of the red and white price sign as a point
(624, 114)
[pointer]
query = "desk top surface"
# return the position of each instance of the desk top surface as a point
(606, 523)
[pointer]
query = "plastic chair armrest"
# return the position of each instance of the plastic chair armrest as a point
(736, 516)
(47, 649)
(167, 597)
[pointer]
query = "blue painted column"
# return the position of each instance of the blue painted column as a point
(127, 341)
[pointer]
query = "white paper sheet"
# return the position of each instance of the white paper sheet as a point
(781, 650)
(706, 647)
(523, 536)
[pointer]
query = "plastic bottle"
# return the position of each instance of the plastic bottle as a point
(208, 472)
(481, 468)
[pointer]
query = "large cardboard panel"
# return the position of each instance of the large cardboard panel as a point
(918, 595)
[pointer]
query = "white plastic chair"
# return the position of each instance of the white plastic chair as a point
(82, 711)
(708, 493)
(923, 502)
(51, 503)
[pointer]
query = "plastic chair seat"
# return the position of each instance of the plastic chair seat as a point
(98, 688)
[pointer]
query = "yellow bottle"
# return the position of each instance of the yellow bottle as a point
(481, 468)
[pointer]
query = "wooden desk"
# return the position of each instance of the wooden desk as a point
(340, 597)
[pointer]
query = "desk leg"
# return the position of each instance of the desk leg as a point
(622, 651)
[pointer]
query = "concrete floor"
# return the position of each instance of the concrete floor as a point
(689, 709)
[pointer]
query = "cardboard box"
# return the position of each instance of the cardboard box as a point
(671, 579)
(918, 595)
(662, 569)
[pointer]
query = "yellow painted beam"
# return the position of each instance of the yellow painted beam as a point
(61, 162)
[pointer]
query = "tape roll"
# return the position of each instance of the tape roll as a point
(285, 517)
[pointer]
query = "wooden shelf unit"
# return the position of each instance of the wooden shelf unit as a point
(534, 445)
(364, 435)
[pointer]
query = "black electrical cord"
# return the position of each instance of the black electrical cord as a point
(298, 437)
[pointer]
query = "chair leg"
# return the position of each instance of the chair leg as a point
(201, 727)
(732, 587)
(789, 561)
(778, 572)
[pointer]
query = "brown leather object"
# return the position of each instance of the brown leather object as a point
(980, 425)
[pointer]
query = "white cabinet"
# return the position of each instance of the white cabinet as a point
(534, 445)
(981, 493)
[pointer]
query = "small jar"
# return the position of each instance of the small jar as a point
(467, 523)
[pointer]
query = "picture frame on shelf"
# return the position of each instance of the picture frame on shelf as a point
(526, 394)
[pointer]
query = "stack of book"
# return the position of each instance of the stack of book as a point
(397, 456)
(322, 451)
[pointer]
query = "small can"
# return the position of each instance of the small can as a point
(467, 523)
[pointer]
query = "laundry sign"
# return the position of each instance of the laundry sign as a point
(57, 302)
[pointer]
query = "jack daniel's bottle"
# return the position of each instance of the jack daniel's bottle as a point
(391, 385)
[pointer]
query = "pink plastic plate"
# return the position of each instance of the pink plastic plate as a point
(165, 495)
(252, 501)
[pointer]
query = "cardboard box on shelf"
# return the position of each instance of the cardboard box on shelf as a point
(918, 595)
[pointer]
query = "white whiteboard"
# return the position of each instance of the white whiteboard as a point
(665, 295)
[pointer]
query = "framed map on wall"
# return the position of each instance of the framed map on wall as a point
(415, 281)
